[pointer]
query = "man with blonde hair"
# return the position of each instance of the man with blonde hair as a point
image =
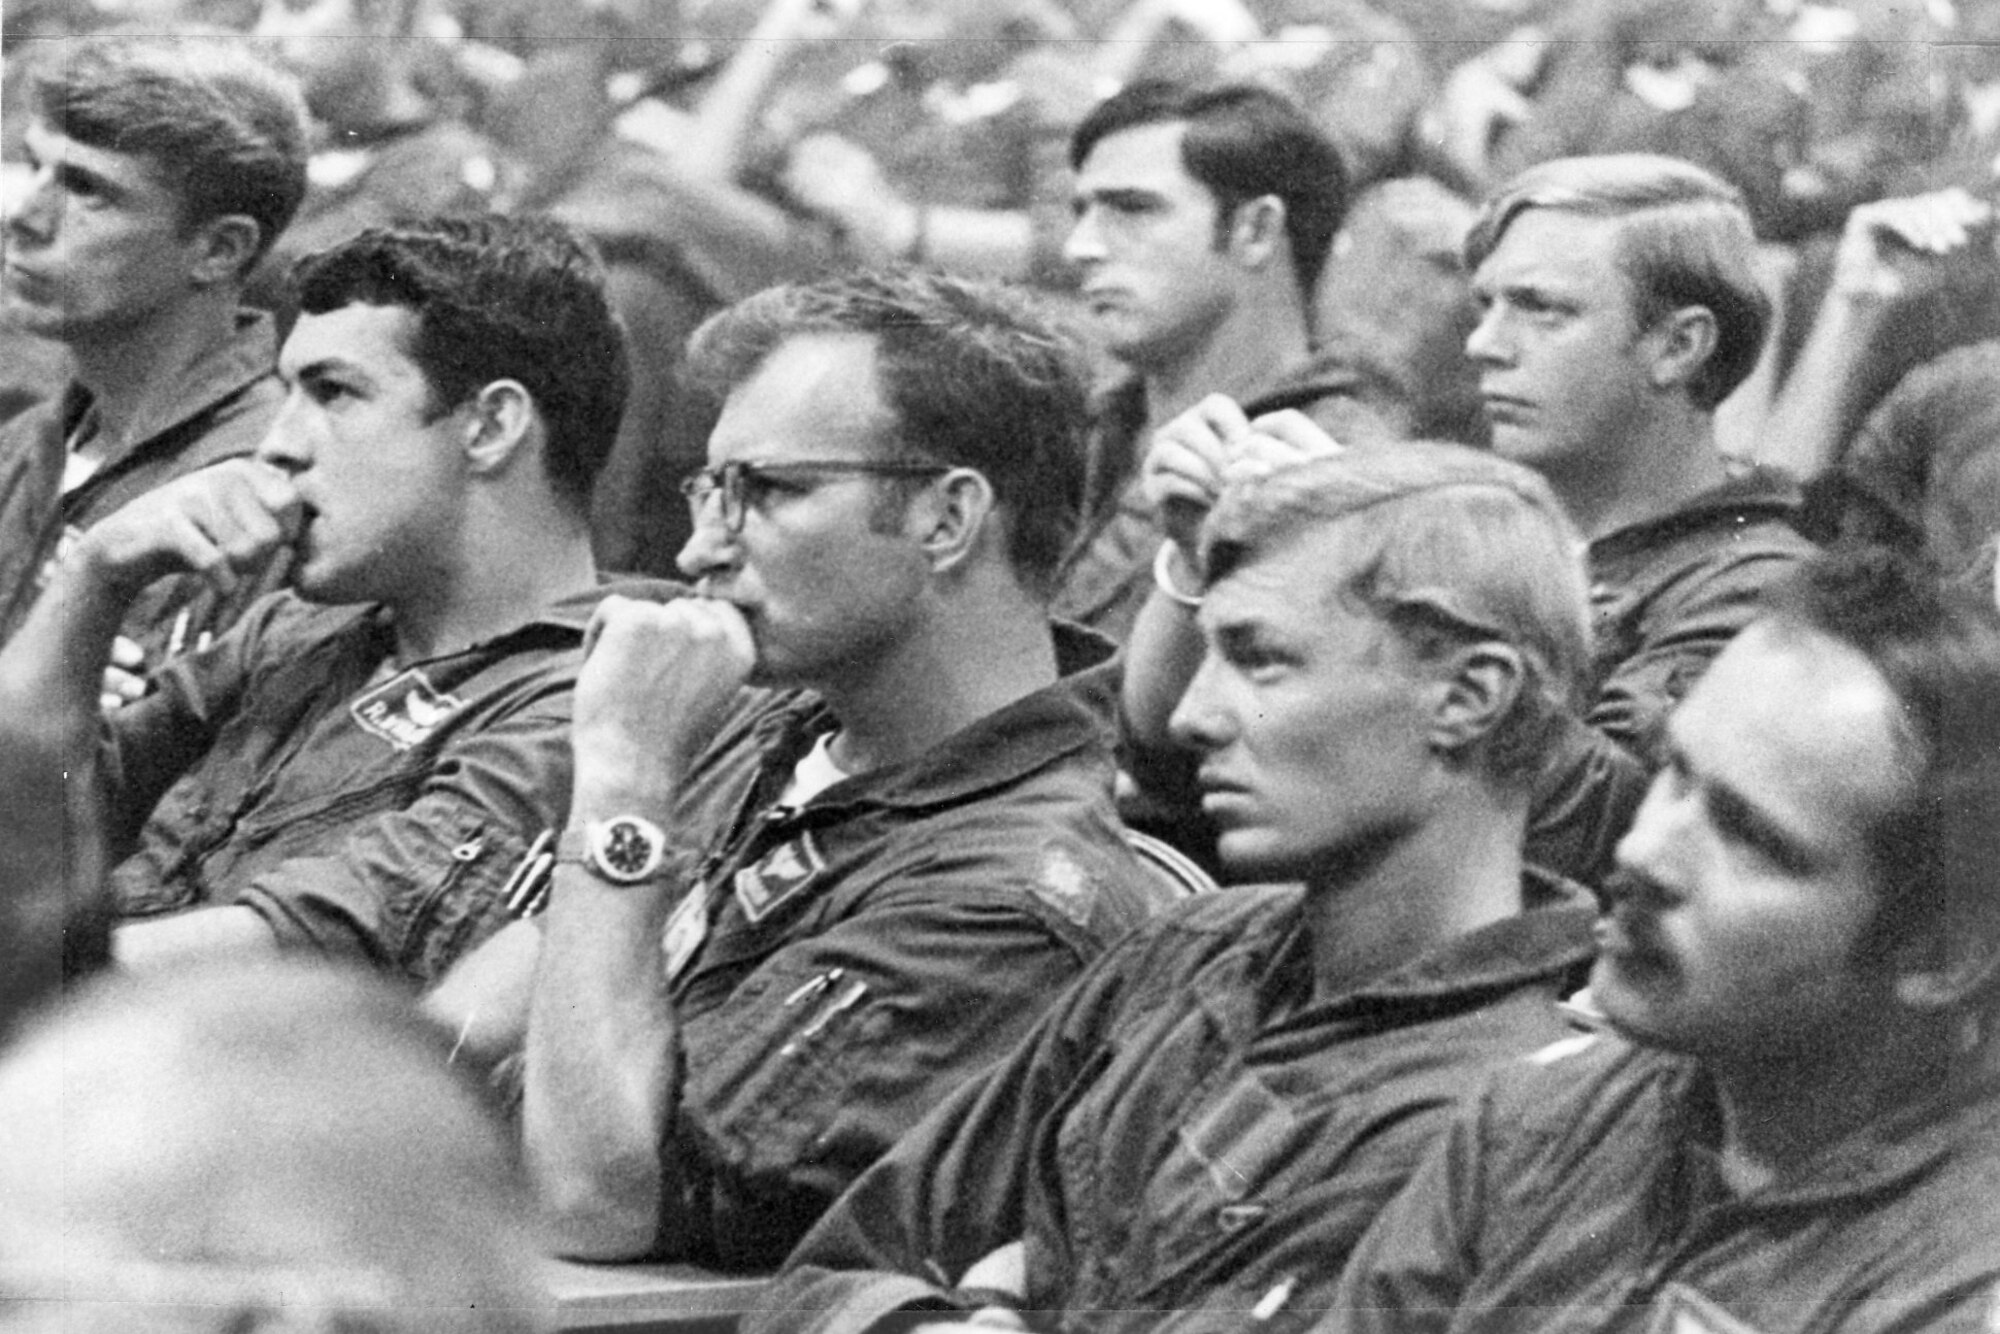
(1388, 639)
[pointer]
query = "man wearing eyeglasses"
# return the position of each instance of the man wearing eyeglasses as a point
(841, 827)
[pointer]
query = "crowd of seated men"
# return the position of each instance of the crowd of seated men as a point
(1102, 818)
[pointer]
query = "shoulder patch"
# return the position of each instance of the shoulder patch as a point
(404, 710)
(778, 875)
(1065, 886)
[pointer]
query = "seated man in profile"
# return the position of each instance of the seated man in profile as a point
(1795, 1126)
(165, 167)
(842, 824)
(1620, 307)
(359, 764)
(1387, 639)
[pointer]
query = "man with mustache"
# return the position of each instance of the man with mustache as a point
(1388, 641)
(1619, 310)
(1793, 1126)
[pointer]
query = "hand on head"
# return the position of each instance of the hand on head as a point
(1194, 456)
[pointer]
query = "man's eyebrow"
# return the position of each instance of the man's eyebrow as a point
(1736, 815)
(72, 176)
(1747, 822)
(1126, 195)
(1234, 631)
(333, 363)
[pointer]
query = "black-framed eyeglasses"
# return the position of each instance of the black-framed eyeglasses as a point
(742, 483)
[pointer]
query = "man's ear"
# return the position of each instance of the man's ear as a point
(222, 249)
(1477, 685)
(1257, 230)
(500, 419)
(1680, 344)
(951, 515)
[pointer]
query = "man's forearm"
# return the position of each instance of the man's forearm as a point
(599, 1082)
(1828, 391)
(50, 671)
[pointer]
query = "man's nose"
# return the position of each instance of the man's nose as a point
(1085, 242)
(1486, 344)
(712, 548)
(1199, 721)
(33, 217)
(284, 445)
(1649, 855)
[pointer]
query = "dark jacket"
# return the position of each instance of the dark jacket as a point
(1666, 595)
(1586, 1197)
(219, 410)
(1106, 576)
(366, 816)
(1186, 1121)
(863, 955)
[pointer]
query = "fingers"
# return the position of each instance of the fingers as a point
(221, 522)
(656, 682)
(687, 631)
(1893, 247)
(1187, 456)
(1936, 223)
(231, 527)
(1287, 437)
(124, 680)
(126, 653)
(1213, 444)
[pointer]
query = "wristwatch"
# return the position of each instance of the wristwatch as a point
(626, 849)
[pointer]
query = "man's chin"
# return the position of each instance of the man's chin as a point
(1246, 858)
(1635, 1007)
(28, 317)
(316, 583)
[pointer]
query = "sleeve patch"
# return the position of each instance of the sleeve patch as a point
(1065, 887)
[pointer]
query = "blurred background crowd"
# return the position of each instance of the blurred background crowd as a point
(713, 147)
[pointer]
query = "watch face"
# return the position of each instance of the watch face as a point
(626, 849)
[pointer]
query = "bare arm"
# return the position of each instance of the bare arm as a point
(1892, 252)
(603, 1038)
(1190, 460)
(842, 180)
(722, 122)
(1122, 49)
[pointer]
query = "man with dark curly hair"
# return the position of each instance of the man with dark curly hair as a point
(360, 762)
